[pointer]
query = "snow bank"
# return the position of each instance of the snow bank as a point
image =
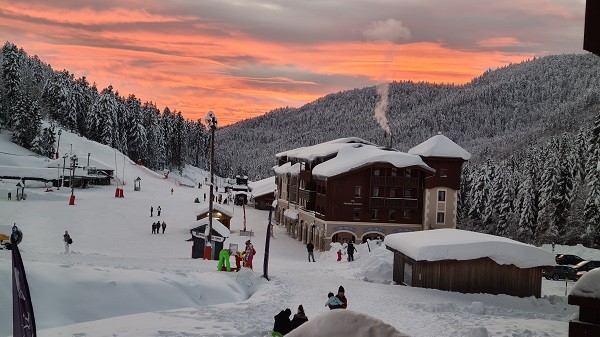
(588, 285)
(345, 323)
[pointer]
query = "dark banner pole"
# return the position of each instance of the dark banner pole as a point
(267, 244)
(23, 319)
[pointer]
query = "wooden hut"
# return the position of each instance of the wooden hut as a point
(586, 294)
(222, 213)
(219, 234)
(263, 193)
(467, 262)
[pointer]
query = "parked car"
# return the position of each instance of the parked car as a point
(559, 272)
(585, 266)
(567, 259)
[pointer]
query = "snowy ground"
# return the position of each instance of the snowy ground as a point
(121, 280)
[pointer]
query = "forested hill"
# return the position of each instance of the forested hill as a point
(492, 116)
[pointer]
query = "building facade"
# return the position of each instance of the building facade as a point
(349, 189)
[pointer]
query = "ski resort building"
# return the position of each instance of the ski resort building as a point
(349, 189)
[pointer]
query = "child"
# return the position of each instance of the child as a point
(333, 302)
(339, 252)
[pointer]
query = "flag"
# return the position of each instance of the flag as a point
(23, 319)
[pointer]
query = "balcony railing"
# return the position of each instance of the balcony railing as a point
(405, 182)
(398, 203)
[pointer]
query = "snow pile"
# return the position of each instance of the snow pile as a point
(376, 266)
(588, 285)
(345, 323)
(440, 146)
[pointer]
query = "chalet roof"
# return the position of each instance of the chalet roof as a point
(82, 162)
(263, 187)
(456, 244)
(323, 149)
(203, 209)
(287, 168)
(29, 172)
(440, 146)
(216, 225)
(358, 155)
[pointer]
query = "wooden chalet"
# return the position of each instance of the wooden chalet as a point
(467, 262)
(220, 212)
(263, 193)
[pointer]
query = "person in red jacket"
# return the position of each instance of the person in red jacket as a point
(339, 253)
(342, 296)
(238, 261)
(249, 254)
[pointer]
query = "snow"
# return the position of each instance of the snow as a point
(287, 168)
(216, 225)
(356, 156)
(263, 187)
(440, 146)
(588, 285)
(122, 280)
(203, 209)
(456, 244)
(288, 213)
(326, 149)
(29, 172)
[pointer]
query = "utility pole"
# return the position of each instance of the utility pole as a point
(211, 121)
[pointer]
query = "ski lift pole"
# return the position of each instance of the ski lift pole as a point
(244, 209)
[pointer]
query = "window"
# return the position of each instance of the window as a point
(407, 273)
(357, 214)
(406, 214)
(393, 214)
(408, 193)
(375, 214)
(394, 172)
(407, 173)
(376, 192)
(392, 192)
(357, 191)
(376, 172)
(440, 217)
(443, 172)
(441, 195)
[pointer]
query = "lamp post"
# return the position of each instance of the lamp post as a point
(73, 165)
(211, 122)
(64, 164)
(58, 143)
(88, 165)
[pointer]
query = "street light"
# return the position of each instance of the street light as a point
(88, 165)
(64, 164)
(58, 143)
(211, 122)
(73, 165)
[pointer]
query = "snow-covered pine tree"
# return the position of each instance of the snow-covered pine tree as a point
(136, 133)
(11, 77)
(27, 124)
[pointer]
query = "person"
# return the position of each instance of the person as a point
(154, 228)
(282, 322)
(204, 196)
(67, 239)
(164, 225)
(310, 247)
(299, 318)
(339, 254)
(351, 250)
(151, 210)
(333, 302)
(341, 295)
(158, 211)
(171, 191)
(238, 260)
(249, 254)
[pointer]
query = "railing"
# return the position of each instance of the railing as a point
(399, 203)
(405, 182)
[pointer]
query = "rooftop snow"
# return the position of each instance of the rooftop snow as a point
(203, 209)
(263, 187)
(216, 225)
(287, 168)
(29, 172)
(588, 285)
(323, 149)
(456, 244)
(358, 155)
(440, 146)
(81, 163)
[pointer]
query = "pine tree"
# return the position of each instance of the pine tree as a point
(11, 76)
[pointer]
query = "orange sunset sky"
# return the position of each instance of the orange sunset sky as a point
(242, 59)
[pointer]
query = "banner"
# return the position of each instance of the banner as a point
(23, 319)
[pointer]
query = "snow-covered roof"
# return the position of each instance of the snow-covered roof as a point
(287, 168)
(203, 209)
(323, 149)
(288, 213)
(216, 225)
(588, 285)
(29, 172)
(81, 163)
(263, 187)
(456, 244)
(359, 155)
(440, 146)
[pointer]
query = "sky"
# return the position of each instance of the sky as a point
(119, 279)
(242, 59)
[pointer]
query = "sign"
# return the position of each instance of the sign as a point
(246, 233)
(344, 228)
(402, 230)
(374, 229)
(352, 203)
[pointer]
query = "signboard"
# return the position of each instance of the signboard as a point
(246, 233)
(344, 228)
(374, 229)
(402, 230)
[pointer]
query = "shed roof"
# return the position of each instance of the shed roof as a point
(216, 225)
(456, 244)
(263, 187)
(203, 209)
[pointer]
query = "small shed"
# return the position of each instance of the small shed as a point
(219, 234)
(467, 262)
(220, 212)
(263, 192)
(136, 184)
(586, 294)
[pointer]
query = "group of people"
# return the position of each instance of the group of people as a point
(283, 324)
(157, 211)
(156, 226)
(350, 249)
(338, 301)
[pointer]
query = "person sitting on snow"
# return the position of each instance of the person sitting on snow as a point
(282, 322)
(333, 302)
(299, 318)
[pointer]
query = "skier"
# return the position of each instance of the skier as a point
(171, 191)
(151, 210)
(299, 318)
(164, 225)
(351, 250)
(158, 211)
(67, 239)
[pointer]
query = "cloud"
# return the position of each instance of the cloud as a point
(503, 41)
(389, 30)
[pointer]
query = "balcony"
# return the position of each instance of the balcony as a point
(405, 182)
(397, 203)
